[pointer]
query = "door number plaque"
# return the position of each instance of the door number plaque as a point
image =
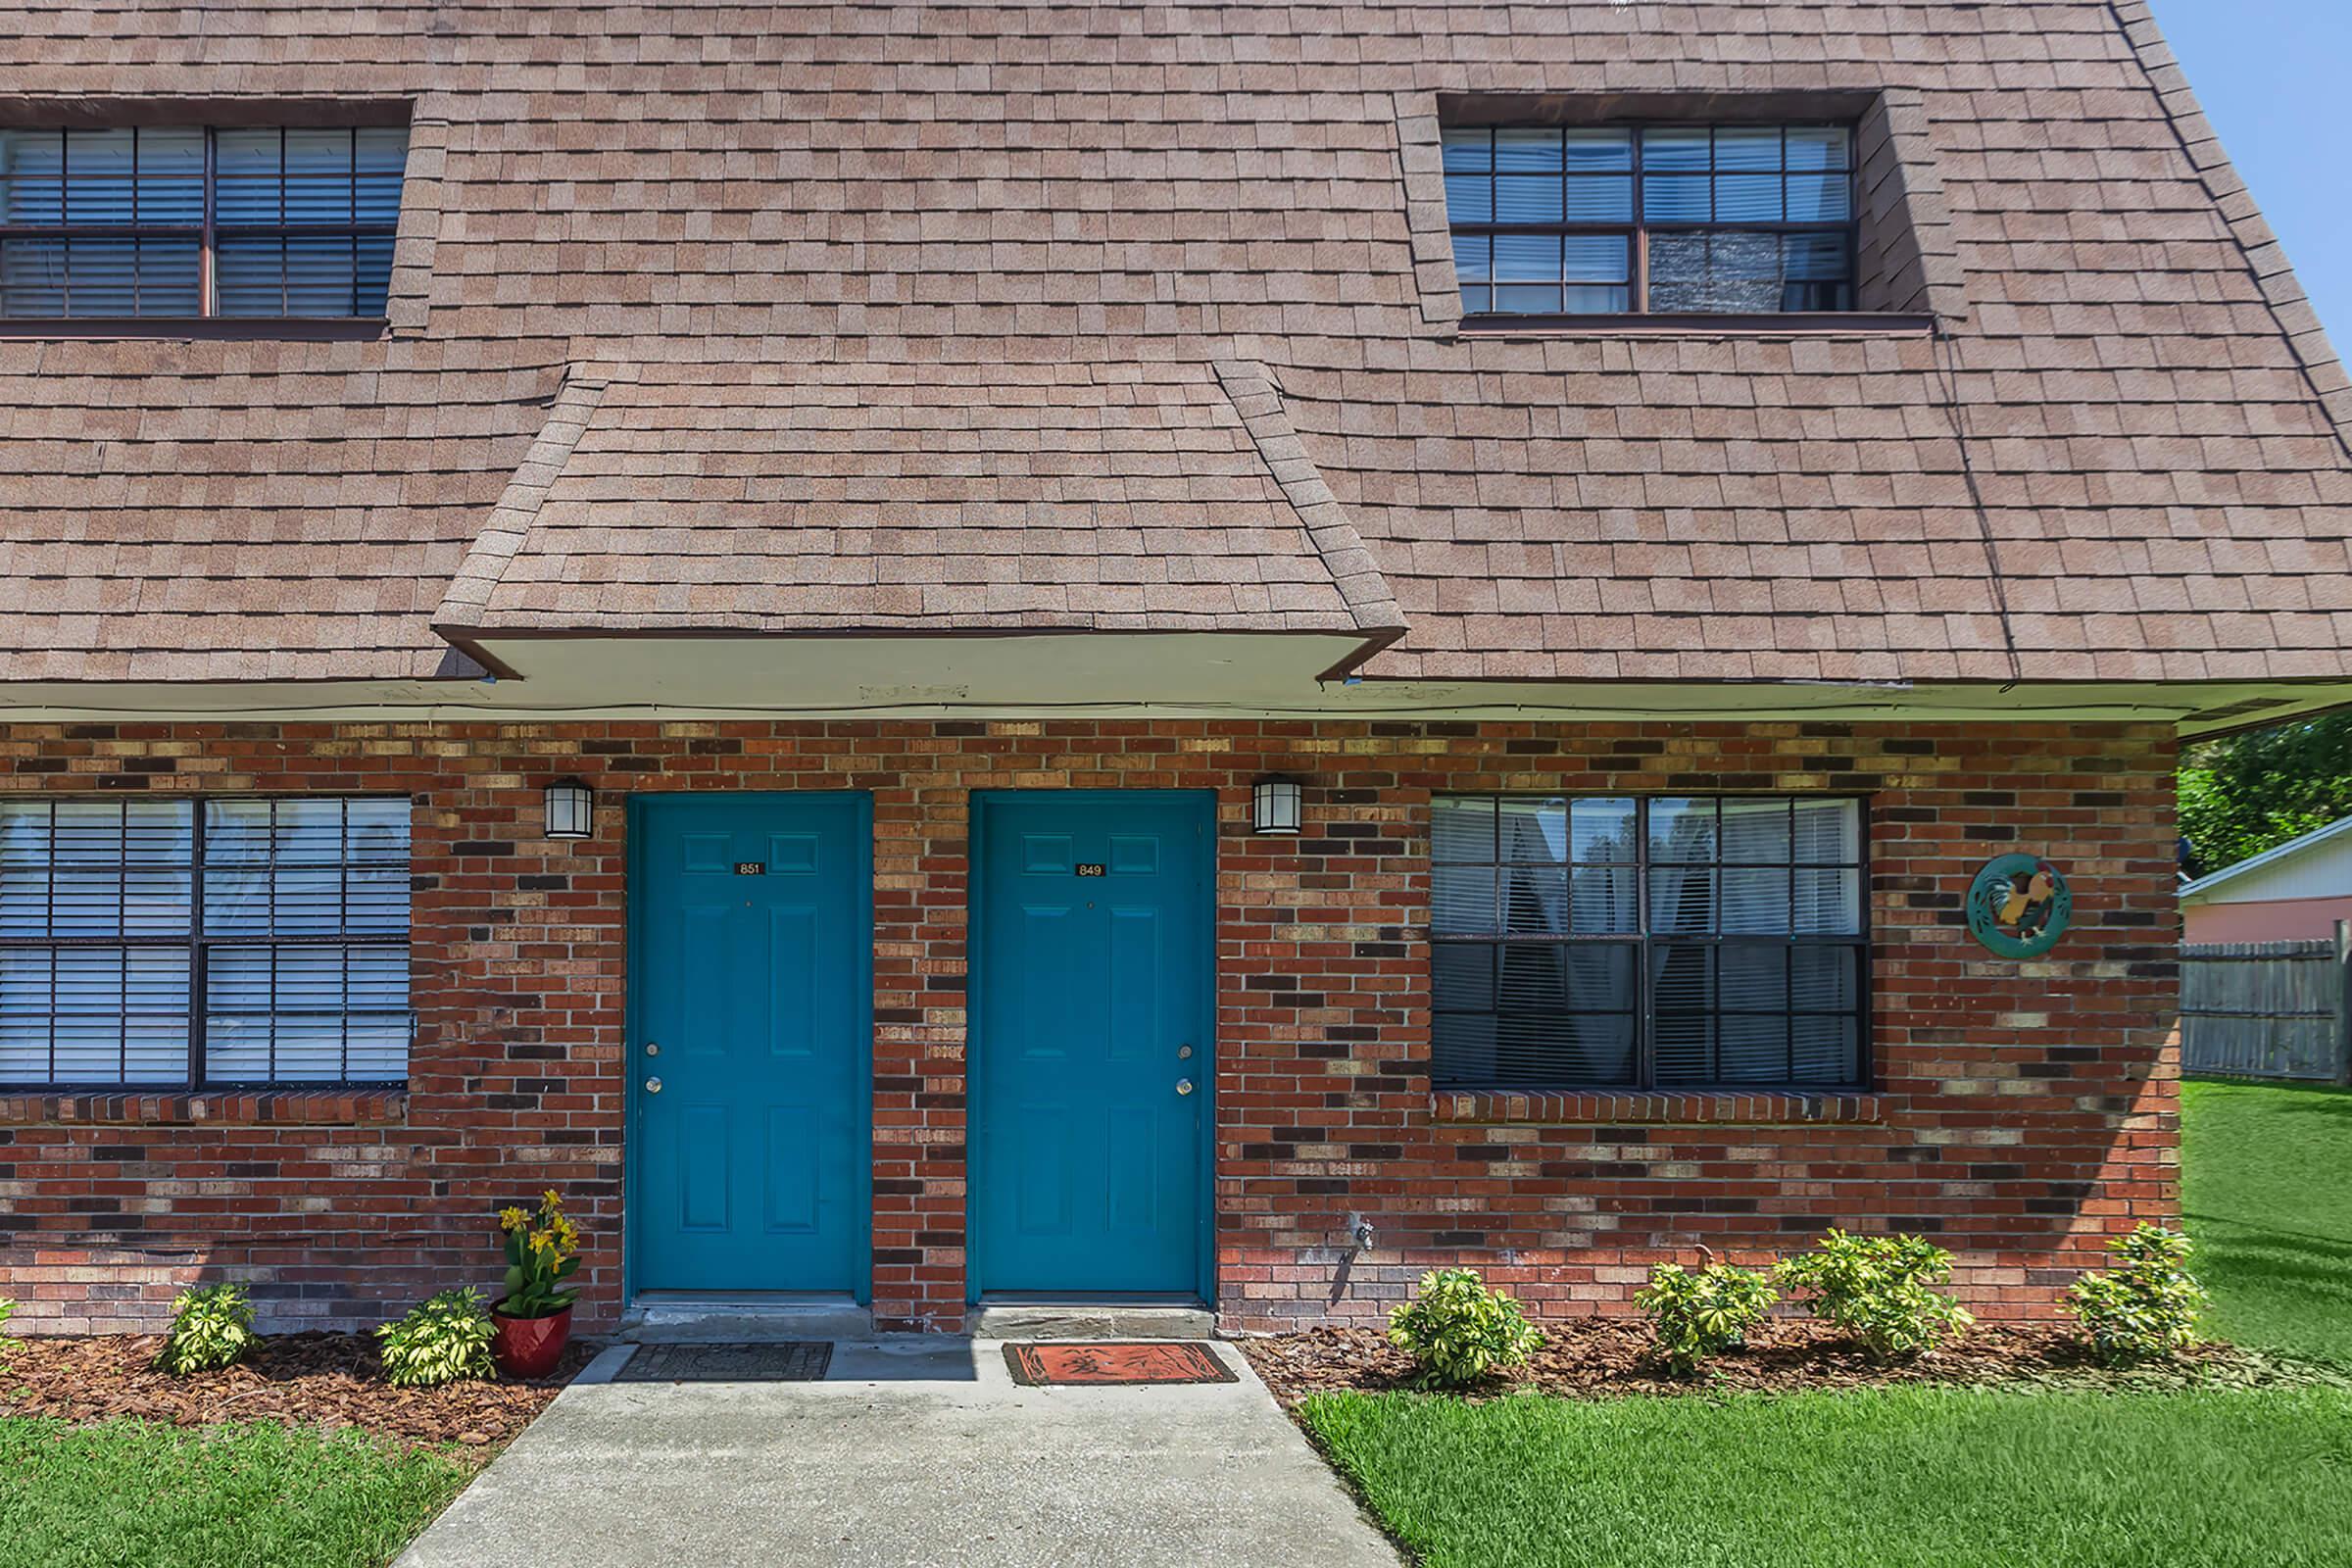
(751, 868)
(1089, 868)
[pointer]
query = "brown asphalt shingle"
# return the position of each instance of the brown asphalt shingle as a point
(745, 216)
(841, 497)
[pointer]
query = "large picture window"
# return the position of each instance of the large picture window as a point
(175, 222)
(181, 943)
(1648, 943)
(1606, 219)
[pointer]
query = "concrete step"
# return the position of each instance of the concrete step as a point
(695, 1317)
(1082, 1319)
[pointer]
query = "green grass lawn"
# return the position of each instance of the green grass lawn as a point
(1960, 1478)
(2267, 1189)
(1955, 1478)
(135, 1495)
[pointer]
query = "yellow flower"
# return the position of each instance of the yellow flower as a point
(551, 1199)
(509, 1219)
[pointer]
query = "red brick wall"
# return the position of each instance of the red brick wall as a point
(2022, 1111)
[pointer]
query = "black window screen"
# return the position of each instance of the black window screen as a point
(1601, 220)
(186, 943)
(1648, 943)
(155, 220)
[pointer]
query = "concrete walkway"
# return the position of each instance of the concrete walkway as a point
(914, 1453)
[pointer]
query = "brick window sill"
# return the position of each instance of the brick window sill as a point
(1658, 1110)
(188, 329)
(248, 1108)
(1820, 324)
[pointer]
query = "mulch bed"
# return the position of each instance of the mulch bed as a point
(1597, 1357)
(302, 1380)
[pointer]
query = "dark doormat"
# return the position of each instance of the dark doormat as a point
(1039, 1366)
(787, 1361)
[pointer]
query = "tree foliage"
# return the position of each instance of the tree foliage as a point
(2244, 794)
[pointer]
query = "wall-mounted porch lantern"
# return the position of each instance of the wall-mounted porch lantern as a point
(570, 810)
(1274, 806)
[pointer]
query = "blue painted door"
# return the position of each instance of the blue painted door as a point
(1095, 953)
(749, 1054)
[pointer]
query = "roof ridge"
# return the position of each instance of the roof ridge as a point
(2265, 257)
(1251, 390)
(503, 531)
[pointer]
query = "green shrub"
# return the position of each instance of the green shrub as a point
(210, 1328)
(2147, 1305)
(1694, 1316)
(1880, 1290)
(8, 1309)
(442, 1339)
(1458, 1332)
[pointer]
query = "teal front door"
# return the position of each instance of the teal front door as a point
(1092, 1063)
(749, 1049)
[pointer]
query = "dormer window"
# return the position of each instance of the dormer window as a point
(1664, 219)
(163, 222)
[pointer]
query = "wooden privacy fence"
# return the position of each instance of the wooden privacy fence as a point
(2268, 1009)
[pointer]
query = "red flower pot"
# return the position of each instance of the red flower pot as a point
(529, 1346)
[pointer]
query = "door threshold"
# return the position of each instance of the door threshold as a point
(1177, 1298)
(1031, 1315)
(746, 1298)
(744, 1317)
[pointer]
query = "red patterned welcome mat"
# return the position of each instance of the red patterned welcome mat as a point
(1038, 1365)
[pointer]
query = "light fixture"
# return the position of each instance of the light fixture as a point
(1274, 806)
(570, 810)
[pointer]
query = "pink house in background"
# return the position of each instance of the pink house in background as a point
(2296, 891)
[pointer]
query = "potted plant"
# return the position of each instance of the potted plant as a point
(534, 1315)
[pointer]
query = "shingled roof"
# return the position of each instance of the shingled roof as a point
(854, 497)
(974, 316)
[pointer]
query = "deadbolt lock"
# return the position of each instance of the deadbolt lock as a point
(652, 1050)
(1184, 1052)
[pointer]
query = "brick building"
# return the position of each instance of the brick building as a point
(928, 654)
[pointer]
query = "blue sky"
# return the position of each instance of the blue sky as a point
(2270, 74)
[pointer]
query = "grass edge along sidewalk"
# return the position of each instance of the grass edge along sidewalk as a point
(300, 1455)
(234, 1495)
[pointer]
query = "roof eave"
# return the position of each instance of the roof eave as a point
(2269, 856)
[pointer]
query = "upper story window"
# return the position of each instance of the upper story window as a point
(1661, 943)
(1612, 220)
(181, 221)
(188, 944)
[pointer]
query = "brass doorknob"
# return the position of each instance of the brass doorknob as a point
(652, 1086)
(1184, 1086)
